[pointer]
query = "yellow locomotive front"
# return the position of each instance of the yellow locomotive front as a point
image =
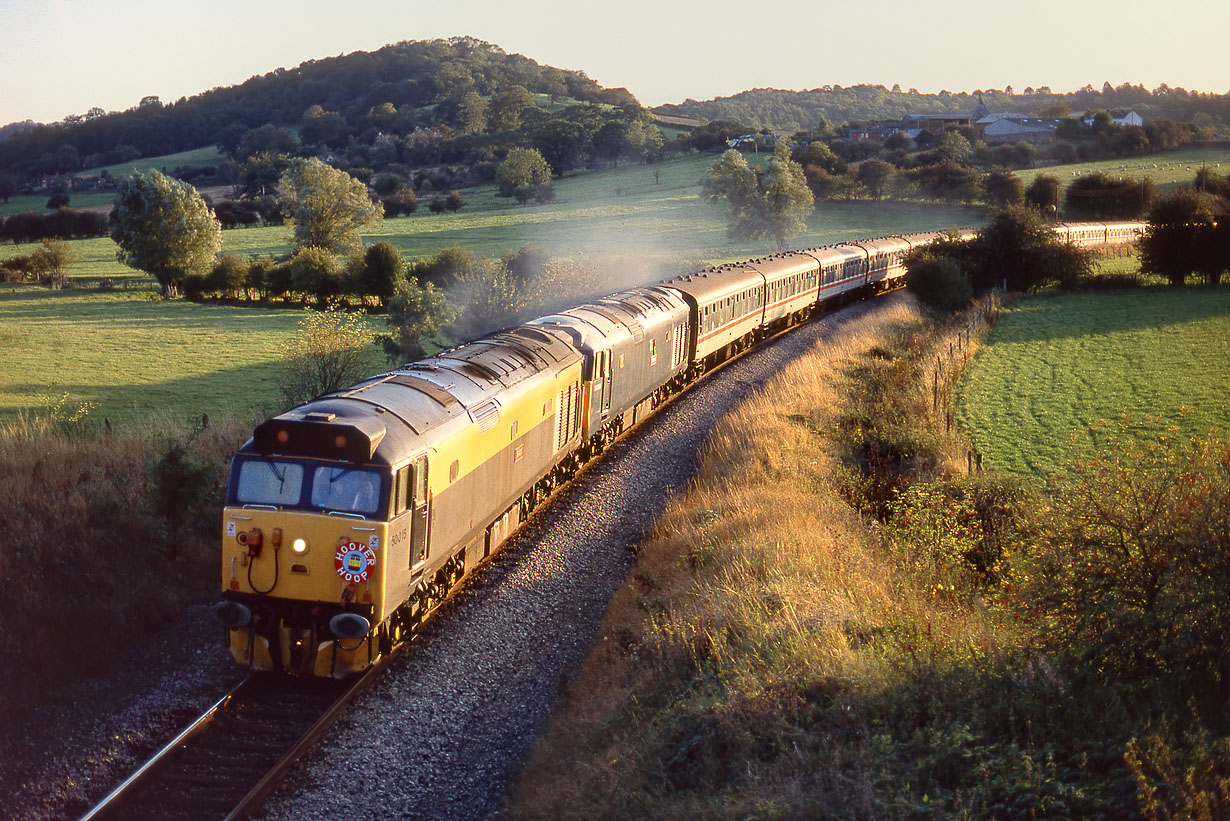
(305, 545)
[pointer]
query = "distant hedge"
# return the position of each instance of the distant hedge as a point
(64, 223)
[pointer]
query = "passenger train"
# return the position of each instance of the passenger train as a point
(350, 517)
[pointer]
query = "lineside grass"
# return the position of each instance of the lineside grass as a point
(832, 621)
(769, 657)
(92, 565)
(139, 358)
(1062, 369)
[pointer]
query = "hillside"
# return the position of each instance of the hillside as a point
(784, 110)
(421, 80)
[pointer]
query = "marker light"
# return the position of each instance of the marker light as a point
(299, 545)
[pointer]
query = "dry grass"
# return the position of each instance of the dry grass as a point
(91, 566)
(736, 673)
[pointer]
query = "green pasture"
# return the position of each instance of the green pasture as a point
(138, 357)
(1169, 171)
(625, 214)
(93, 199)
(1059, 371)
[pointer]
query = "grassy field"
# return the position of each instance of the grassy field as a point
(625, 214)
(1169, 171)
(85, 199)
(1058, 369)
(138, 358)
(119, 349)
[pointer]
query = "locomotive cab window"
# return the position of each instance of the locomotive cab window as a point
(346, 490)
(264, 482)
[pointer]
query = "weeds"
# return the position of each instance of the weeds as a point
(846, 625)
(83, 548)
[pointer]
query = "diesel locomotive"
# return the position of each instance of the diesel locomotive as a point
(350, 517)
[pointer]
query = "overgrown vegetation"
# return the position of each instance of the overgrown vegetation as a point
(1016, 250)
(836, 621)
(109, 535)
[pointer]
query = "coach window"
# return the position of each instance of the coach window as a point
(454, 470)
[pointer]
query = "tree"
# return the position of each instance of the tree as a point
(938, 281)
(317, 272)
(327, 206)
(1099, 196)
(773, 201)
(382, 271)
(874, 175)
(472, 113)
(416, 312)
(504, 113)
(1176, 237)
(1137, 574)
(521, 173)
(1003, 188)
(163, 227)
(327, 353)
(1043, 194)
(268, 139)
(229, 275)
(8, 186)
(1017, 246)
(954, 146)
(821, 156)
(51, 261)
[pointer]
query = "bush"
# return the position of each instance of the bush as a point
(316, 272)
(453, 202)
(1137, 574)
(939, 282)
(328, 352)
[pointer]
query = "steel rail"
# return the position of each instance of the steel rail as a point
(131, 785)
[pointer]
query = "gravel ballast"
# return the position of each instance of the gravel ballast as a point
(445, 730)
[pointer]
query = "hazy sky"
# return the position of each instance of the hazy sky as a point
(60, 57)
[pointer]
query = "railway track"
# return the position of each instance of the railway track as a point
(224, 764)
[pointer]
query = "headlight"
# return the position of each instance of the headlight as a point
(299, 545)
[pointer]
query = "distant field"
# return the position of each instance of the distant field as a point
(86, 199)
(623, 214)
(1169, 171)
(138, 358)
(1057, 367)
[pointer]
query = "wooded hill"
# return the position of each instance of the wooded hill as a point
(423, 82)
(782, 110)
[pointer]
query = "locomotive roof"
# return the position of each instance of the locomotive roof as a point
(381, 419)
(621, 315)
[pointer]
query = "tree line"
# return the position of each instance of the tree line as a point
(410, 76)
(1019, 250)
(782, 110)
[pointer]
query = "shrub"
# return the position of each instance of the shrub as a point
(939, 282)
(1137, 572)
(328, 352)
(316, 272)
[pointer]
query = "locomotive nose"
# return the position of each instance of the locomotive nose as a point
(232, 613)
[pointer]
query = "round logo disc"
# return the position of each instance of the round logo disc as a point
(354, 561)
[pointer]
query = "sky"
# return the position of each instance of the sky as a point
(62, 57)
